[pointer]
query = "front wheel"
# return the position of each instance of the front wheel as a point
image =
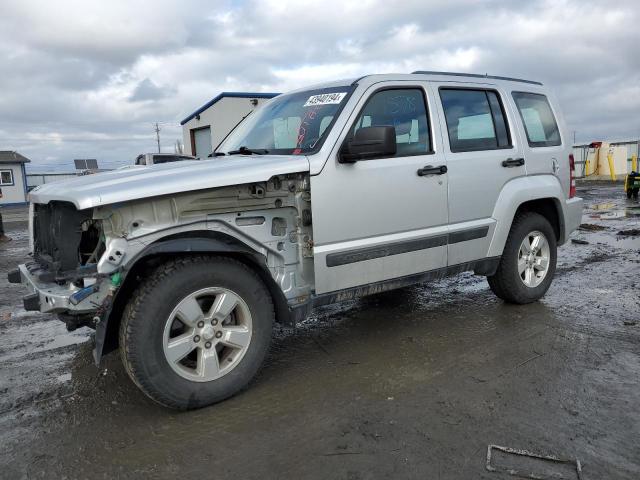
(528, 261)
(196, 331)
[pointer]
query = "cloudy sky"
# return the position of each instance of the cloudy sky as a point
(87, 79)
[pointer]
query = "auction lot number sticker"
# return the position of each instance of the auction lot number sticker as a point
(325, 99)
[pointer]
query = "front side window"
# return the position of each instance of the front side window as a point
(6, 177)
(292, 124)
(406, 111)
(537, 116)
(475, 120)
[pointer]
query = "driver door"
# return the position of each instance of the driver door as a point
(380, 219)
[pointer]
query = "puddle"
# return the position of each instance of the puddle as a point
(38, 338)
(612, 215)
(632, 232)
(64, 378)
(603, 206)
(617, 241)
(612, 210)
(632, 212)
(590, 227)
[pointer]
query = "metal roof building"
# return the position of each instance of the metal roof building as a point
(206, 127)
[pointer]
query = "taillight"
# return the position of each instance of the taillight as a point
(572, 177)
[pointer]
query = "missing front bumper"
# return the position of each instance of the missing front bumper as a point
(50, 297)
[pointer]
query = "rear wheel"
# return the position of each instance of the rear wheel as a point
(528, 261)
(196, 331)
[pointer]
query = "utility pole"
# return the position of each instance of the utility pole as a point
(157, 129)
(574, 137)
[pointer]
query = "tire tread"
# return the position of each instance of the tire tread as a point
(501, 283)
(130, 356)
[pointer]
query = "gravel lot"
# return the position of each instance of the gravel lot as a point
(414, 383)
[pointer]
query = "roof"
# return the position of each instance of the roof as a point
(8, 156)
(227, 95)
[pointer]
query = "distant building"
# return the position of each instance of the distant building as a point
(205, 128)
(13, 178)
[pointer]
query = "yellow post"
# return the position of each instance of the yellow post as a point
(612, 171)
(634, 163)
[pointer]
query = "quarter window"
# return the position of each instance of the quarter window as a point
(404, 109)
(475, 120)
(6, 177)
(539, 122)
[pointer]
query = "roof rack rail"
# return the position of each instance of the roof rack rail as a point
(355, 82)
(476, 75)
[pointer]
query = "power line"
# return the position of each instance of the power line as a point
(157, 129)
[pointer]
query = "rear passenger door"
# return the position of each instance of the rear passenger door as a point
(483, 154)
(544, 151)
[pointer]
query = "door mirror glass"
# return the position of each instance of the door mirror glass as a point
(370, 142)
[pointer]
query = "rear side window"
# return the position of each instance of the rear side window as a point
(539, 122)
(404, 109)
(475, 120)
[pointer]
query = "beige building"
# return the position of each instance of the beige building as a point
(595, 159)
(205, 128)
(13, 178)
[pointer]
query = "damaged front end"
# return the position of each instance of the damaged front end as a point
(63, 273)
(86, 263)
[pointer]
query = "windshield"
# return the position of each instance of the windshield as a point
(292, 124)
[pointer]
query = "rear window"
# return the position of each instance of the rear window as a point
(539, 122)
(168, 158)
(475, 120)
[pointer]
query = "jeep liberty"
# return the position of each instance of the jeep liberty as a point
(323, 194)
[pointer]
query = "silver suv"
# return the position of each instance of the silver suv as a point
(324, 194)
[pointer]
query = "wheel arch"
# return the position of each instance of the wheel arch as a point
(547, 207)
(537, 193)
(186, 243)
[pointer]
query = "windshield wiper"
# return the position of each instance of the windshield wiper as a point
(216, 154)
(248, 151)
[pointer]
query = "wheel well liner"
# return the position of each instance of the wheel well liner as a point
(548, 208)
(183, 244)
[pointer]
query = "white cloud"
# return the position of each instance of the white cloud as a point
(88, 78)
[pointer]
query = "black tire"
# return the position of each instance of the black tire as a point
(143, 322)
(506, 283)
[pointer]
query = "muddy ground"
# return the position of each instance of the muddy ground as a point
(410, 384)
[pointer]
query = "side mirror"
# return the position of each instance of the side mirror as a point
(369, 142)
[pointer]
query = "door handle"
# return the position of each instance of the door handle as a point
(513, 162)
(431, 170)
